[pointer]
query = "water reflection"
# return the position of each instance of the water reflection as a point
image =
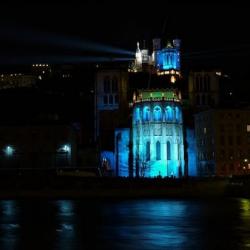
(143, 224)
(65, 225)
(244, 227)
(9, 224)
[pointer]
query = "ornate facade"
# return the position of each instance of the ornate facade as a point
(158, 148)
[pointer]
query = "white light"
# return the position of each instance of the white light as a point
(66, 148)
(9, 150)
(248, 128)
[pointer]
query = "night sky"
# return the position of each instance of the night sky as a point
(212, 34)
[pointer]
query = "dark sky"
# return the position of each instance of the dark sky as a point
(211, 33)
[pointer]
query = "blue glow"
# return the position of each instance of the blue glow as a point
(169, 113)
(9, 150)
(108, 158)
(146, 113)
(168, 58)
(157, 113)
(158, 147)
(191, 152)
(137, 114)
(122, 151)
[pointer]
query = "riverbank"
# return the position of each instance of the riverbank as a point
(68, 187)
(51, 185)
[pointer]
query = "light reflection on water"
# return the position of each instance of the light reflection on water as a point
(142, 224)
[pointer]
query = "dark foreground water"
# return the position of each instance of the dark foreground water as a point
(142, 224)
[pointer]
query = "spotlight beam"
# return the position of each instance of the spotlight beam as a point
(60, 59)
(43, 38)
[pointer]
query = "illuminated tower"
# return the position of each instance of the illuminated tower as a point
(157, 130)
(138, 57)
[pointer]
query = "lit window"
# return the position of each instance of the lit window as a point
(248, 128)
(205, 130)
(169, 113)
(173, 79)
(146, 114)
(157, 113)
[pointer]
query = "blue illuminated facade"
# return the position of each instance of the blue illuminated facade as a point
(122, 139)
(163, 60)
(168, 58)
(157, 134)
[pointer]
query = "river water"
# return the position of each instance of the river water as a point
(130, 224)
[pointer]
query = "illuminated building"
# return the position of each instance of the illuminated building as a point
(223, 142)
(146, 124)
(163, 61)
(158, 134)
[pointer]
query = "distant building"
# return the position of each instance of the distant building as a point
(138, 114)
(223, 142)
(16, 80)
(37, 146)
(209, 89)
(111, 104)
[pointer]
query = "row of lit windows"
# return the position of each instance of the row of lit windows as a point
(40, 65)
(8, 75)
(169, 114)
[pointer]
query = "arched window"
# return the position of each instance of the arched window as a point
(106, 84)
(157, 114)
(169, 113)
(148, 151)
(146, 114)
(158, 150)
(177, 114)
(168, 151)
(137, 114)
(114, 84)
